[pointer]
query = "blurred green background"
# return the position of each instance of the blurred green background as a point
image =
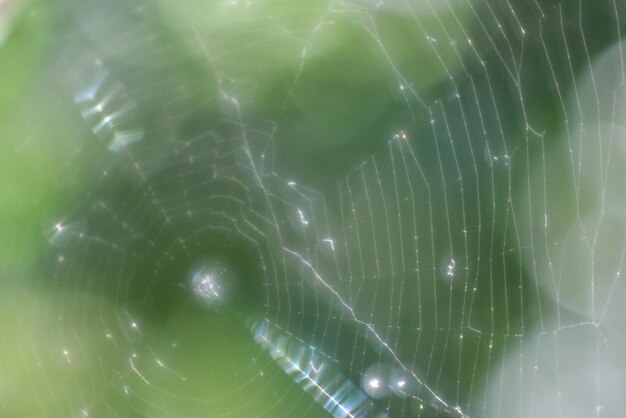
(106, 326)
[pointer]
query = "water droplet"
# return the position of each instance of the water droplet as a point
(330, 243)
(376, 380)
(299, 221)
(403, 383)
(451, 267)
(60, 231)
(303, 220)
(212, 284)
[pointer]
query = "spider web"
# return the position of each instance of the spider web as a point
(408, 208)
